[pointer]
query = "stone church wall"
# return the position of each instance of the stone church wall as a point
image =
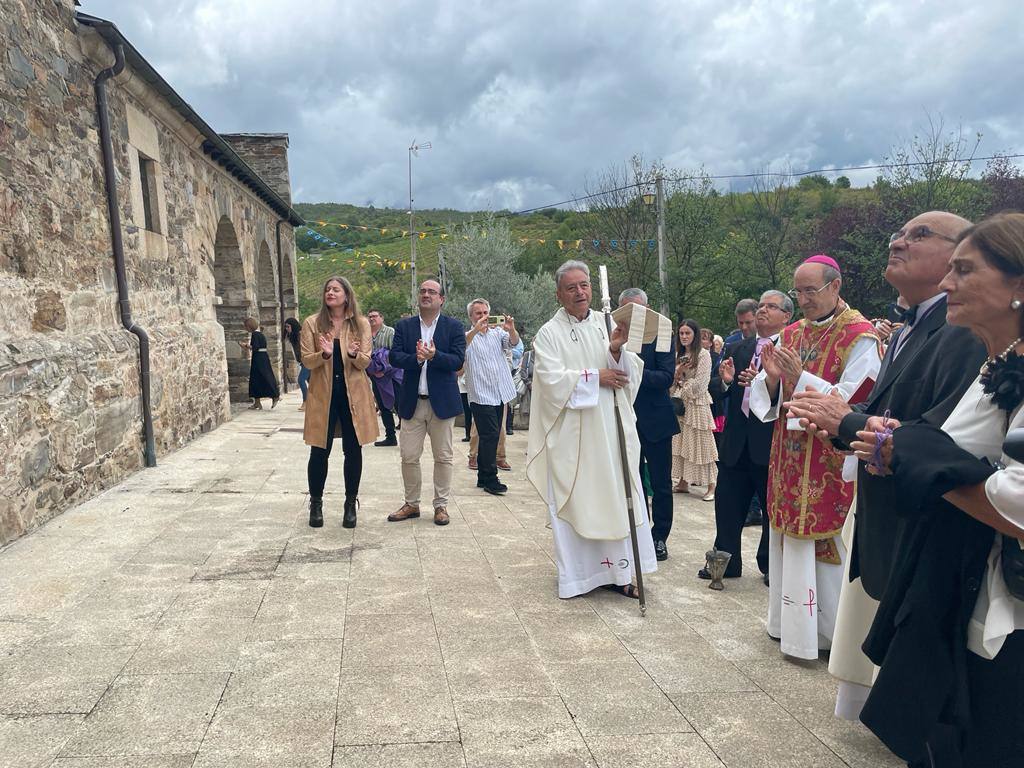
(203, 260)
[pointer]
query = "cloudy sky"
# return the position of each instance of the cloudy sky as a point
(525, 101)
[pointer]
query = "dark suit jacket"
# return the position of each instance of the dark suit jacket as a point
(741, 431)
(921, 386)
(442, 382)
(655, 420)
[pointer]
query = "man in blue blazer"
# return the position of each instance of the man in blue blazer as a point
(430, 348)
(656, 424)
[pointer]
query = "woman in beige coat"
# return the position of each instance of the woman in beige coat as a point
(336, 349)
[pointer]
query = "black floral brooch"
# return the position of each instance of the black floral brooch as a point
(1003, 379)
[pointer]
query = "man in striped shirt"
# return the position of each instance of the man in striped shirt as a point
(489, 385)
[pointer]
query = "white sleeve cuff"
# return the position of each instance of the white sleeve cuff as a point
(586, 391)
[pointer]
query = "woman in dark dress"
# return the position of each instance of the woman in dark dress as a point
(292, 331)
(261, 375)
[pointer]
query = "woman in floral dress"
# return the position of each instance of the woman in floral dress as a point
(693, 449)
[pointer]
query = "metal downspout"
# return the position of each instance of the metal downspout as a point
(280, 306)
(117, 244)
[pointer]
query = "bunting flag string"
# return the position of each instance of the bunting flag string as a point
(613, 244)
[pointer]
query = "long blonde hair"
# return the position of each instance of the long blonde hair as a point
(352, 316)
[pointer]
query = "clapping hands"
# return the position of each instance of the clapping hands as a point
(426, 351)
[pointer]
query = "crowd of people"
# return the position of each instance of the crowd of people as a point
(883, 469)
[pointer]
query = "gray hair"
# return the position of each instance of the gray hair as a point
(829, 274)
(633, 293)
(569, 266)
(485, 302)
(784, 301)
(743, 306)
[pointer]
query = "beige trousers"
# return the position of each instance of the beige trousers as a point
(474, 437)
(412, 434)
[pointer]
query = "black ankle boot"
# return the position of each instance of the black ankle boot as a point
(349, 519)
(316, 512)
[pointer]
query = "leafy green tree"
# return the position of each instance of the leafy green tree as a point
(480, 262)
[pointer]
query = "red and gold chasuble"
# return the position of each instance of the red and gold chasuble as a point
(807, 498)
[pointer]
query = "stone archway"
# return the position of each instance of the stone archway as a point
(232, 306)
(269, 304)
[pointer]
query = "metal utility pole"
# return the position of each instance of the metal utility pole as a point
(659, 186)
(414, 149)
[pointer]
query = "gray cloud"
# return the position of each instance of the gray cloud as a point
(523, 101)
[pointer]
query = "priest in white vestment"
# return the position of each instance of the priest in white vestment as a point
(833, 350)
(573, 457)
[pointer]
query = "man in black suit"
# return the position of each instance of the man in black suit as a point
(656, 424)
(927, 367)
(746, 441)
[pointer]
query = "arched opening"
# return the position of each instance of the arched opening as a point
(269, 305)
(232, 306)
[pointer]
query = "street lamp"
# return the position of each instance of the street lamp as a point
(414, 149)
(659, 198)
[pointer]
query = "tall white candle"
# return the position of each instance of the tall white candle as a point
(603, 272)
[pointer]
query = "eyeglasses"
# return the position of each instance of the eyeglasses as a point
(918, 233)
(807, 293)
(770, 305)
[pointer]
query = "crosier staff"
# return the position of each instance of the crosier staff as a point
(606, 308)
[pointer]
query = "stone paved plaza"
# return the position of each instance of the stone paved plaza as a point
(190, 617)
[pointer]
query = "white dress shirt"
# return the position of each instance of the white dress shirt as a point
(427, 336)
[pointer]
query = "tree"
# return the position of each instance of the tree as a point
(694, 233)
(931, 172)
(622, 222)
(480, 263)
(763, 220)
(1005, 185)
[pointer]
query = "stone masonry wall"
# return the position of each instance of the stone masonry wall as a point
(70, 411)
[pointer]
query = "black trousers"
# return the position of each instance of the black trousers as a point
(657, 454)
(467, 414)
(316, 470)
(736, 484)
(387, 418)
(488, 422)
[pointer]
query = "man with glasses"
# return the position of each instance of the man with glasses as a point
(926, 370)
(746, 441)
(833, 349)
(429, 348)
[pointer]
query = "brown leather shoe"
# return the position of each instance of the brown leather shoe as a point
(407, 512)
(440, 516)
(502, 464)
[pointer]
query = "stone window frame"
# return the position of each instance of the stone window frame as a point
(149, 212)
(148, 175)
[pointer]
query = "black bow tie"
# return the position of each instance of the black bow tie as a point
(909, 315)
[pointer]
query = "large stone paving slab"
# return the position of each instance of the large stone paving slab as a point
(190, 618)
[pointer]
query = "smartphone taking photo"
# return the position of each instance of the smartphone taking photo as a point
(496, 320)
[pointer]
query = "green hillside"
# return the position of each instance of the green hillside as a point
(719, 246)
